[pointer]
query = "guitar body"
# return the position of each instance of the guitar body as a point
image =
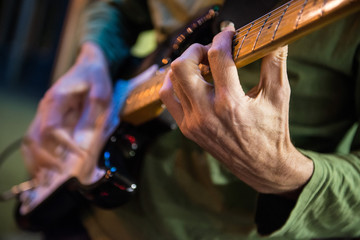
(119, 161)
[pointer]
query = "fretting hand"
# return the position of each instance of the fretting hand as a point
(249, 133)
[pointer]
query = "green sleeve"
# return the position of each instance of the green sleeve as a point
(114, 25)
(329, 205)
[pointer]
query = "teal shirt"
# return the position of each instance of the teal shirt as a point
(187, 194)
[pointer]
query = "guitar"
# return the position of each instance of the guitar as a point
(137, 103)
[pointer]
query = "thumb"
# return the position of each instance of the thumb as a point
(91, 124)
(92, 111)
(273, 78)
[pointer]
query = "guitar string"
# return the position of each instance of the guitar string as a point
(259, 22)
(294, 4)
(247, 39)
(293, 8)
(254, 32)
(252, 37)
(266, 35)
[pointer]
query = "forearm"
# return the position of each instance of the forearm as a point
(91, 52)
(328, 206)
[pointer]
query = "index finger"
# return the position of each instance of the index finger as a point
(223, 68)
(186, 76)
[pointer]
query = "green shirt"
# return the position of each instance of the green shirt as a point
(187, 194)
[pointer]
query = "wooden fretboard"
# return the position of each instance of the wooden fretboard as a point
(251, 42)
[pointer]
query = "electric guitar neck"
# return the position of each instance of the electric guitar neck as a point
(251, 42)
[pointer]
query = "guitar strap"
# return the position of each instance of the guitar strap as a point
(242, 12)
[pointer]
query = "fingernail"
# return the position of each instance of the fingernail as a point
(224, 25)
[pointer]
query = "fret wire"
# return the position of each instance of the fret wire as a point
(322, 8)
(285, 16)
(277, 26)
(273, 13)
(264, 16)
(242, 42)
(292, 9)
(314, 4)
(254, 30)
(274, 19)
(258, 24)
(300, 14)
(262, 27)
(252, 33)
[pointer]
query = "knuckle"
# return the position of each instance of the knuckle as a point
(44, 102)
(51, 96)
(177, 66)
(215, 52)
(46, 129)
(195, 46)
(47, 97)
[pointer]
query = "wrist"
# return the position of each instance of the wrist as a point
(300, 171)
(91, 53)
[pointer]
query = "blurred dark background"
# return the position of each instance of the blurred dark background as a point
(30, 32)
(37, 44)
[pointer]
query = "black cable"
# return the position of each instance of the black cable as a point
(10, 149)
